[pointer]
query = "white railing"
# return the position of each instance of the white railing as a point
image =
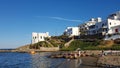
(113, 37)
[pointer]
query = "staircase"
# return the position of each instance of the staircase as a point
(68, 43)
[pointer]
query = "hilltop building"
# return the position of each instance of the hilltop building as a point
(87, 27)
(37, 37)
(110, 26)
(72, 31)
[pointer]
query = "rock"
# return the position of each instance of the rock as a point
(109, 61)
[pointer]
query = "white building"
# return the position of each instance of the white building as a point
(113, 22)
(72, 31)
(37, 37)
(110, 26)
(88, 27)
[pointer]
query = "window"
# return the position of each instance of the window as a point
(102, 25)
(40, 37)
(116, 30)
(110, 23)
(35, 37)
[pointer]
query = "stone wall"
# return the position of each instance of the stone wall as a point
(49, 49)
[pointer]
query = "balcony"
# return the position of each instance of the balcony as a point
(104, 26)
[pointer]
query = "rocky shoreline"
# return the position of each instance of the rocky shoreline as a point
(94, 58)
(109, 61)
(89, 58)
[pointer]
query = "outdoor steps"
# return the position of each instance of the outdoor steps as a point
(68, 43)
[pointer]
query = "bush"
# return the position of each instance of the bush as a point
(116, 47)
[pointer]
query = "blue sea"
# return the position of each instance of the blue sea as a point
(26, 60)
(38, 60)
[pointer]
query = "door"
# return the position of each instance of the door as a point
(116, 30)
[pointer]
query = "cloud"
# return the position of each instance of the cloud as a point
(60, 18)
(64, 19)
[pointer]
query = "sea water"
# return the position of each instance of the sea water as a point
(26, 60)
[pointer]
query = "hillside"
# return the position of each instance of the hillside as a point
(25, 47)
(94, 45)
(84, 44)
(107, 43)
(54, 41)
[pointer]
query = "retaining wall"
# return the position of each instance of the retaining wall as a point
(49, 49)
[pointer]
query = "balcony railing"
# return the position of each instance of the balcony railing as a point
(104, 27)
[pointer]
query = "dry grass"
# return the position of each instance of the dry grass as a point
(106, 43)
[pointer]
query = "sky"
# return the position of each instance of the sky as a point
(19, 18)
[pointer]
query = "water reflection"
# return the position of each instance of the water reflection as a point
(71, 63)
(41, 60)
(77, 62)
